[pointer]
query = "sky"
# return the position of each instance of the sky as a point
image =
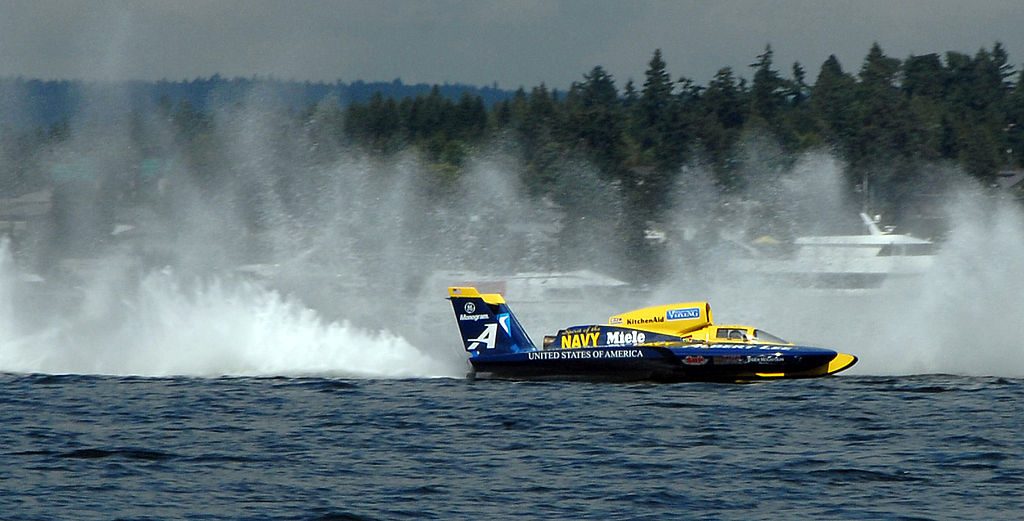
(480, 42)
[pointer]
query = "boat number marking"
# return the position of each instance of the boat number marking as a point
(487, 337)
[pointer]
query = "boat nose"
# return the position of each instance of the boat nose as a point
(840, 362)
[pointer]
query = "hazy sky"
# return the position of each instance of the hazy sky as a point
(515, 43)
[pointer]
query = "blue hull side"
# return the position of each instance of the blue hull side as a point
(719, 362)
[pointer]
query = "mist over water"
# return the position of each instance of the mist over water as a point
(290, 265)
(960, 317)
(163, 326)
(219, 276)
(963, 317)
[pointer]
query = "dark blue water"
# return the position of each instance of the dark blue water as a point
(849, 447)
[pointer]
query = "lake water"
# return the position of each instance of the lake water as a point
(845, 447)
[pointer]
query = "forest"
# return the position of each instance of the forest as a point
(899, 126)
(891, 122)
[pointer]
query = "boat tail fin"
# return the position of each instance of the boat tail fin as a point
(487, 325)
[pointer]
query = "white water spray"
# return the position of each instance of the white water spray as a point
(964, 316)
(366, 226)
(961, 317)
(164, 327)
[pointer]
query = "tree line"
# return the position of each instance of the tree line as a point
(628, 147)
(888, 122)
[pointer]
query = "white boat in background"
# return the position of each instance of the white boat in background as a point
(838, 262)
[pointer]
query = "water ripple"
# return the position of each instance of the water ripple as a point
(98, 448)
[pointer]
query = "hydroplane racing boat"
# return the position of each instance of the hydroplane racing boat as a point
(672, 342)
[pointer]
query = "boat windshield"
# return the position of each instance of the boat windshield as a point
(765, 336)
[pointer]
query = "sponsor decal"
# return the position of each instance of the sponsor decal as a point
(585, 354)
(580, 330)
(730, 360)
(765, 359)
(615, 320)
(650, 320)
(694, 360)
(580, 340)
(740, 347)
(682, 314)
(625, 338)
(746, 347)
(472, 318)
(469, 308)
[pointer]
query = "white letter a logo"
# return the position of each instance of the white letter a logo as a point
(487, 337)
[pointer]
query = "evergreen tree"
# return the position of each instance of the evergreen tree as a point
(976, 96)
(1014, 128)
(654, 114)
(722, 113)
(832, 102)
(879, 128)
(923, 84)
(767, 94)
(799, 129)
(536, 121)
(924, 76)
(594, 118)
(882, 128)
(470, 117)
